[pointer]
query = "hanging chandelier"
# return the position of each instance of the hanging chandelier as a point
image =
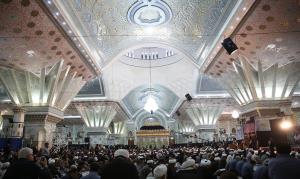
(150, 105)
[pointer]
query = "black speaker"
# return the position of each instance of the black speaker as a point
(229, 45)
(188, 97)
(87, 140)
(177, 113)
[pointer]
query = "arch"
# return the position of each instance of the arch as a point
(143, 115)
(134, 103)
(154, 44)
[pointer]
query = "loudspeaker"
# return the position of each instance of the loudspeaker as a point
(177, 113)
(229, 45)
(188, 97)
(87, 140)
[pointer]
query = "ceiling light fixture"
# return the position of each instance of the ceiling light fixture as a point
(150, 105)
(235, 114)
(30, 53)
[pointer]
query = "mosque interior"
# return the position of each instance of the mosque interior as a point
(149, 72)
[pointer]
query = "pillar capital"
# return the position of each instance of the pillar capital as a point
(267, 108)
(17, 109)
(97, 114)
(39, 128)
(205, 116)
(55, 88)
(44, 110)
(247, 84)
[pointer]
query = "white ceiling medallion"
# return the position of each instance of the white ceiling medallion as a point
(149, 13)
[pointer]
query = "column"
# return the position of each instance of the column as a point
(40, 129)
(204, 114)
(43, 97)
(13, 127)
(17, 126)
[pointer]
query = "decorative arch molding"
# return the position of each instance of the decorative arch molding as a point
(143, 115)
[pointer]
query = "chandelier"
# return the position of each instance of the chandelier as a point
(150, 105)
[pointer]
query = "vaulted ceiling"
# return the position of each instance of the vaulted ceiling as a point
(126, 48)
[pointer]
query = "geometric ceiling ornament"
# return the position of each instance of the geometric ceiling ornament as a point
(149, 13)
(247, 84)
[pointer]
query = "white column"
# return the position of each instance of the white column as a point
(16, 130)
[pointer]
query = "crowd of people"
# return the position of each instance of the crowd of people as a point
(124, 162)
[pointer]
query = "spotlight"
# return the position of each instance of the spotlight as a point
(235, 114)
(229, 45)
(286, 124)
(188, 97)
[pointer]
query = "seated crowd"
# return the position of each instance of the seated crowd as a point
(167, 163)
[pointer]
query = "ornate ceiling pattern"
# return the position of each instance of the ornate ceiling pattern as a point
(193, 23)
(270, 33)
(30, 40)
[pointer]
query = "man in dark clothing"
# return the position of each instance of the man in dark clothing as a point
(93, 174)
(284, 166)
(120, 167)
(171, 172)
(188, 170)
(25, 168)
(146, 169)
